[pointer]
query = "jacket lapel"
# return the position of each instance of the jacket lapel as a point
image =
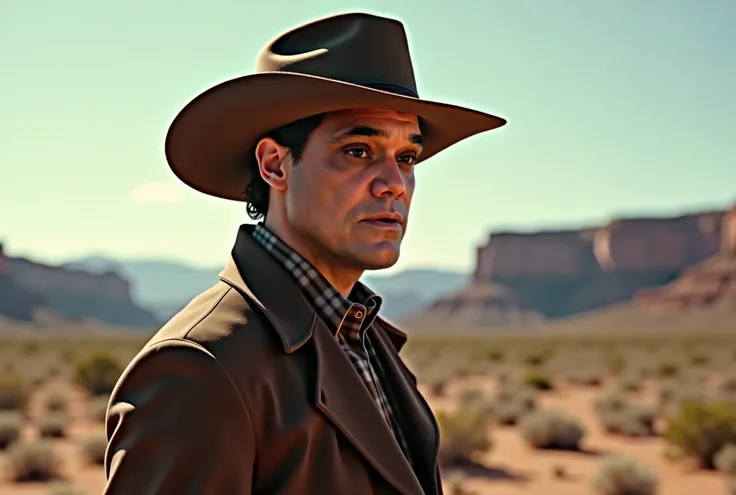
(422, 430)
(339, 393)
(344, 400)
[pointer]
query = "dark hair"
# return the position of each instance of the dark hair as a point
(293, 136)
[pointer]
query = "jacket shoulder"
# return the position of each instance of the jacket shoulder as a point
(213, 319)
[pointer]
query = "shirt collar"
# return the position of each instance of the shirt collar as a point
(350, 315)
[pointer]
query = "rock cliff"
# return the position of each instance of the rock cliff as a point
(27, 285)
(710, 283)
(559, 273)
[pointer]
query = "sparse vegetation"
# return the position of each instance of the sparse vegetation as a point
(502, 379)
(53, 425)
(537, 380)
(463, 434)
(13, 392)
(10, 428)
(623, 475)
(701, 429)
(56, 401)
(551, 429)
(33, 461)
(93, 448)
(98, 372)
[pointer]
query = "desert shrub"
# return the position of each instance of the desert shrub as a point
(65, 489)
(551, 429)
(495, 355)
(615, 363)
(621, 475)
(56, 401)
(33, 461)
(13, 392)
(455, 483)
(511, 404)
(69, 355)
(535, 358)
(631, 381)
(98, 372)
(463, 434)
(672, 394)
(93, 449)
(537, 380)
(585, 376)
(613, 401)
(30, 348)
(728, 384)
(634, 420)
(469, 396)
(668, 369)
(725, 459)
(702, 429)
(699, 358)
(97, 408)
(11, 425)
(53, 425)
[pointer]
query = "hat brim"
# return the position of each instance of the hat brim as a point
(206, 142)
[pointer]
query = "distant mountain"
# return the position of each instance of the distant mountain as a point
(164, 286)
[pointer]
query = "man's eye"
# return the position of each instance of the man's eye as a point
(356, 152)
(408, 159)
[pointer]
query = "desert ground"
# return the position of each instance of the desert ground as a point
(554, 412)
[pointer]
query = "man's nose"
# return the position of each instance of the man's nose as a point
(389, 181)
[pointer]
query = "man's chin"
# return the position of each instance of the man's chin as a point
(378, 258)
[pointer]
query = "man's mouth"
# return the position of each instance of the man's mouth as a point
(388, 220)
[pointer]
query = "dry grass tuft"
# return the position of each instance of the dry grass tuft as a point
(552, 429)
(622, 475)
(33, 461)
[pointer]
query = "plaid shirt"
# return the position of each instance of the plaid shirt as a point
(347, 320)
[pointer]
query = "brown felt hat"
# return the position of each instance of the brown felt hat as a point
(341, 62)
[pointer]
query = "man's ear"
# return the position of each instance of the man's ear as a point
(274, 163)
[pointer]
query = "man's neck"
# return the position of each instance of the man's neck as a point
(341, 278)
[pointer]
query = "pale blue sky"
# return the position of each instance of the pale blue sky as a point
(613, 107)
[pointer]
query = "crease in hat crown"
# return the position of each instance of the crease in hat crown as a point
(358, 48)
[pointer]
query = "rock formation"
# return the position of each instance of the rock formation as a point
(479, 305)
(26, 285)
(523, 277)
(710, 283)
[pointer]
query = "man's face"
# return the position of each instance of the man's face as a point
(349, 195)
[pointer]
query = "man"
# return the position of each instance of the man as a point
(282, 378)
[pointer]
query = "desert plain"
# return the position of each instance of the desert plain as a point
(607, 403)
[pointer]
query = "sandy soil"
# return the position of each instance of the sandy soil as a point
(510, 468)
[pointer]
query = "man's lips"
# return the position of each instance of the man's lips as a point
(386, 221)
(385, 218)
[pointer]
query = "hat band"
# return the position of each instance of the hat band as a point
(391, 88)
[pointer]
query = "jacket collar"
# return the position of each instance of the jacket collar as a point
(253, 271)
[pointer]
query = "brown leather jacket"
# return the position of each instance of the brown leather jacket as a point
(246, 392)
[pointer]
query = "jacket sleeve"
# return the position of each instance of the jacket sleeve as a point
(177, 424)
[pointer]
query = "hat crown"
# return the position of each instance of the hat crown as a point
(362, 49)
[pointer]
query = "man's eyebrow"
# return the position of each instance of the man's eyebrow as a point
(367, 131)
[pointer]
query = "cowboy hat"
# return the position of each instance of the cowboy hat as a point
(340, 62)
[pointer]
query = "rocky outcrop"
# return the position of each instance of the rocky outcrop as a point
(651, 244)
(711, 283)
(728, 232)
(26, 285)
(479, 305)
(559, 273)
